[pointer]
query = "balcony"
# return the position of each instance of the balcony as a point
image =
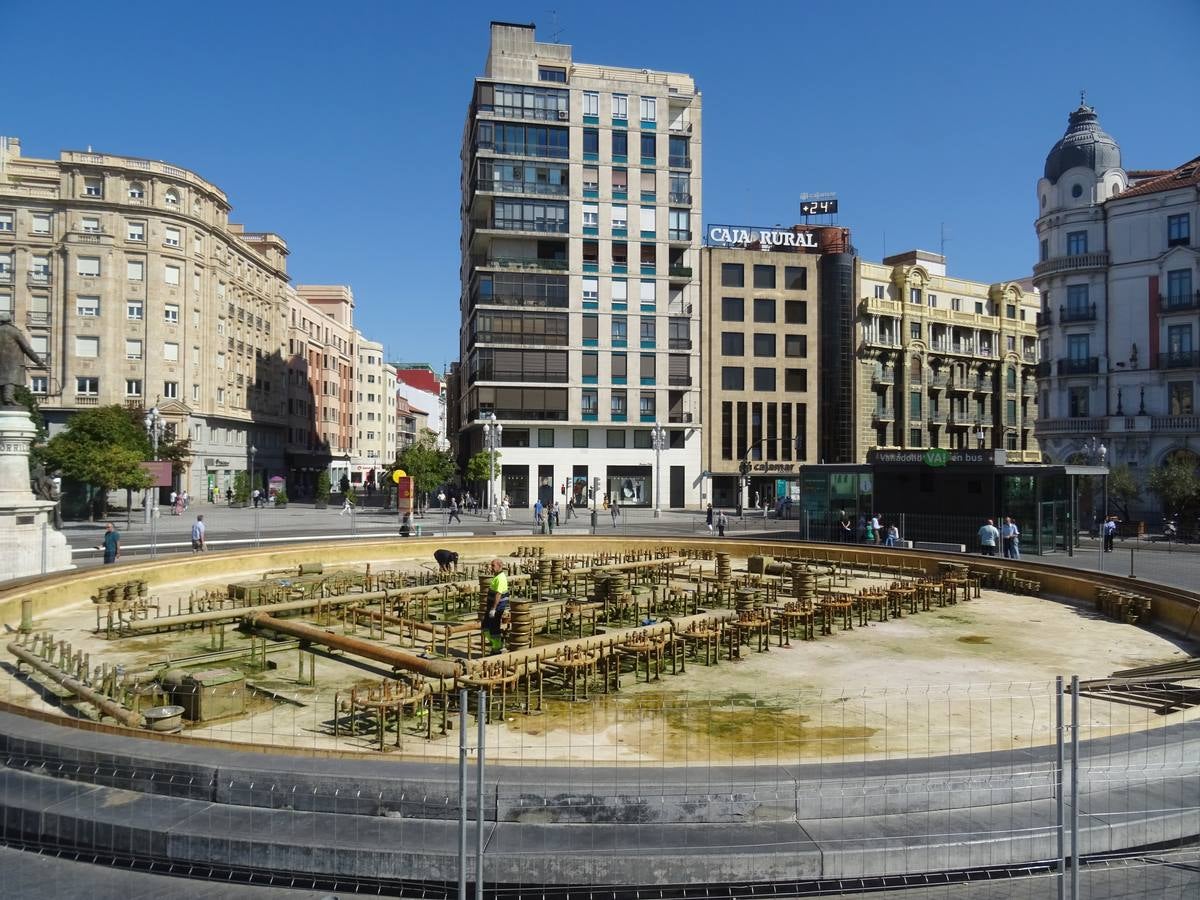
(45, 363)
(87, 400)
(523, 262)
(679, 234)
(679, 380)
(1044, 318)
(679, 162)
(961, 385)
(1067, 314)
(984, 386)
(1179, 359)
(1086, 365)
(1030, 356)
(680, 198)
(37, 319)
(1080, 262)
(680, 271)
(679, 344)
(1072, 425)
(886, 378)
(679, 418)
(1043, 369)
(1175, 423)
(496, 186)
(939, 382)
(1179, 302)
(883, 417)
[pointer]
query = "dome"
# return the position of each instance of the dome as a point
(1084, 144)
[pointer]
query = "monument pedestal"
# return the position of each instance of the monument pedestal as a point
(29, 542)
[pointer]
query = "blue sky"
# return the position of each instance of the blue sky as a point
(338, 125)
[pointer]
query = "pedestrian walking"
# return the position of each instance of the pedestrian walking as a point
(254, 497)
(708, 518)
(187, 500)
(555, 513)
(615, 509)
(989, 534)
(537, 511)
(869, 535)
(1010, 537)
(347, 506)
(199, 535)
(111, 544)
(876, 530)
(454, 512)
(174, 497)
(1109, 530)
(229, 496)
(722, 521)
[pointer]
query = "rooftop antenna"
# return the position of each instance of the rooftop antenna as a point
(556, 31)
(1083, 98)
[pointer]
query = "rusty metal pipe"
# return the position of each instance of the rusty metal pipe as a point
(106, 705)
(397, 659)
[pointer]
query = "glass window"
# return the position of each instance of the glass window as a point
(795, 345)
(764, 276)
(764, 379)
(171, 275)
(591, 140)
(764, 309)
(88, 307)
(647, 367)
(733, 275)
(914, 405)
(133, 387)
(620, 145)
(1180, 398)
(620, 215)
(649, 146)
(795, 312)
(88, 266)
(1077, 298)
(733, 343)
(93, 187)
(733, 309)
(620, 106)
(591, 328)
(6, 221)
(620, 182)
(170, 390)
(1179, 230)
(133, 309)
(795, 380)
(90, 224)
(618, 403)
(591, 178)
(591, 215)
(1076, 243)
(795, 278)
(614, 439)
(171, 313)
(40, 223)
(646, 406)
(171, 237)
(552, 73)
(647, 330)
(619, 366)
(133, 349)
(649, 109)
(591, 103)
(733, 378)
(1078, 346)
(87, 384)
(1179, 287)
(87, 346)
(764, 344)
(620, 328)
(589, 402)
(579, 438)
(545, 437)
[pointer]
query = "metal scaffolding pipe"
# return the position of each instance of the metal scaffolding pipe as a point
(397, 659)
(106, 705)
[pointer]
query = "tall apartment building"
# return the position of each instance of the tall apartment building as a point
(137, 289)
(375, 412)
(580, 299)
(760, 315)
(1120, 325)
(944, 362)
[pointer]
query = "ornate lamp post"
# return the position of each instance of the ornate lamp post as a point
(658, 439)
(257, 528)
(153, 424)
(492, 430)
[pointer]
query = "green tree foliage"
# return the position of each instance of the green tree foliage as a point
(103, 448)
(1177, 484)
(478, 466)
(322, 493)
(241, 487)
(1123, 490)
(428, 466)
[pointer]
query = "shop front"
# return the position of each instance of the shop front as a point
(630, 485)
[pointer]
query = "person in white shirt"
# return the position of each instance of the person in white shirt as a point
(988, 535)
(1011, 537)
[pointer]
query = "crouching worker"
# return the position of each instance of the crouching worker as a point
(446, 560)
(497, 603)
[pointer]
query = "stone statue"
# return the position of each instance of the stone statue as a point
(13, 347)
(44, 488)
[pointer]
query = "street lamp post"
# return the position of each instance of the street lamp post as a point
(153, 422)
(980, 437)
(257, 529)
(491, 440)
(658, 438)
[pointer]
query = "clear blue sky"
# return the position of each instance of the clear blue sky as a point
(338, 124)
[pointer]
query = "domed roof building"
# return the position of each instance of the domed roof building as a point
(1085, 145)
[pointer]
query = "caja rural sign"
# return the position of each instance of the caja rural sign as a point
(745, 235)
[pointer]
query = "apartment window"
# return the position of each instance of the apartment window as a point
(614, 439)
(679, 227)
(171, 198)
(1078, 347)
(956, 304)
(579, 438)
(170, 390)
(620, 184)
(197, 244)
(646, 331)
(649, 109)
(133, 387)
(914, 295)
(1077, 298)
(135, 270)
(795, 380)
(133, 309)
(733, 378)
(619, 290)
(6, 303)
(591, 103)
(591, 178)
(220, 396)
(914, 405)
(1180, 398)
(978, 308)
(137, 190)
(646, 291)
(764, 344)
(795, 345)
(733, 275)
(133, 349)
(1179, 230)
(764, 277)
(1179, 286)
(93, 187)
(39, 384)
(647, 221)
(195, 392)
(171, 313)
(591, 142)
(135, 231)
(914, 330)
(591, 289)
(545, 437)
(1077, 402)
(795, 312)
(591, 367)
(90, 224)
(733, 343)
(552, 73)
(620, 330)
(795, 278)
(649, 184)
(87, 385)
(40, 223)
(733, 309)
(171, 236)
(591, 328)
(620, 146)
(88, 307)
(620, 217)
(6, 221)
(591, 215)
(1044, 250)
(589, 403)
(617, 404)
(1076, 243)
(6, 263)
(171, 275)
(764, 379)
(620, 106)
(649, 145)
(1010, 310)
(170, 351)
(764, 309)
(88, 266)
(87, 346)
(647, 368)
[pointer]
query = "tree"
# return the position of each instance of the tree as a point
(241, 486)
(480, 468)
(103, 448)
(428, 466)
(322, 492)
(1177, 484)
(1123, 490)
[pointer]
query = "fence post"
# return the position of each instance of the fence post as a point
(483, 711)
(462, 794)
(1074, 787)
(1058, 787)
